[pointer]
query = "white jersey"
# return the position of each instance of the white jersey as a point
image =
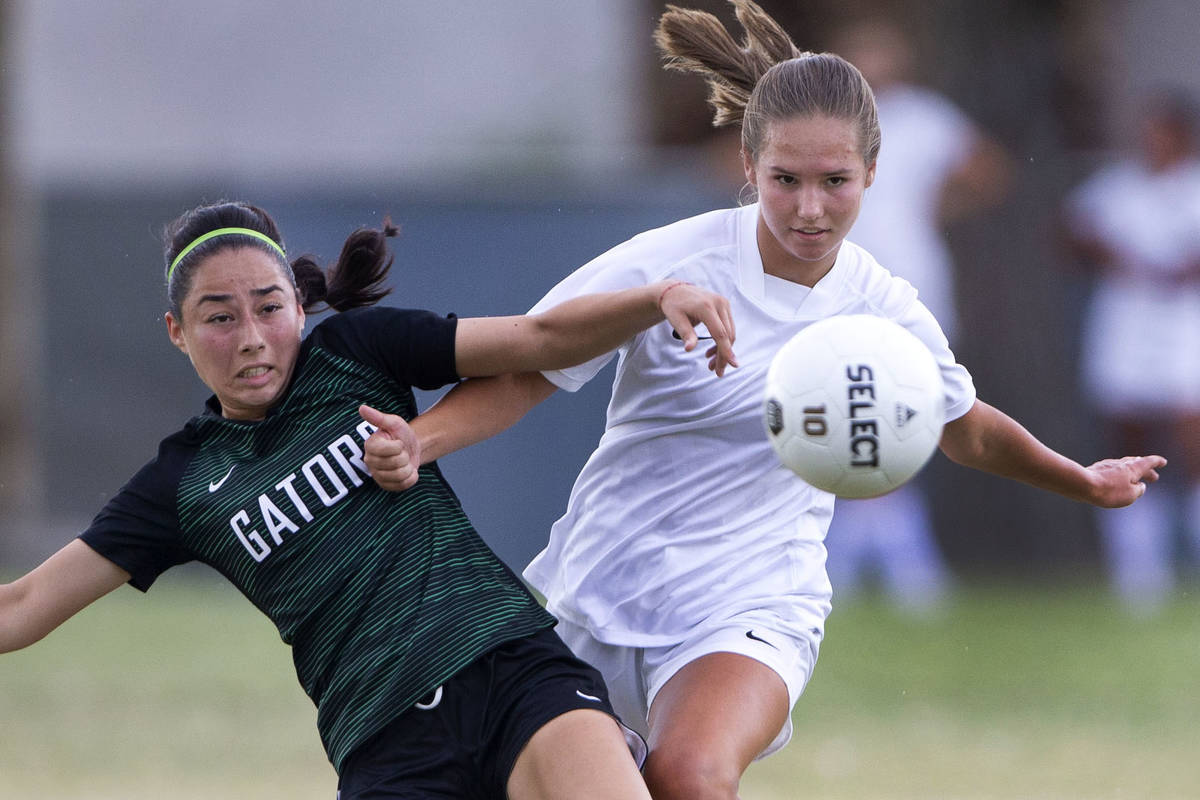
(683, 512)
(1143, 322)
(1149, 220)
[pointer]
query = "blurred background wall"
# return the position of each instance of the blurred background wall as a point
(511, 142)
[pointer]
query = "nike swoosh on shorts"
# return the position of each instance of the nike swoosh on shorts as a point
(750, 635)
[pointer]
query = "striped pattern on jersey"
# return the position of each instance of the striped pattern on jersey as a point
(382, 595)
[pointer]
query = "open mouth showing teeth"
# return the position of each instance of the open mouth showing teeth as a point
(253, 372)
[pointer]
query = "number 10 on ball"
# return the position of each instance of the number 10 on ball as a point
(854, 405)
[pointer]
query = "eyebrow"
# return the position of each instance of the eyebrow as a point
(836, 170)
(225, 298)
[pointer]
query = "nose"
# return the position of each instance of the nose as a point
(808, 204)
(252, 338)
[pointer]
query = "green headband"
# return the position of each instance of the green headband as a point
(223, 232)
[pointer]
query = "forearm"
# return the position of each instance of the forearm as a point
(476, 410)
(591, 325)
(567, 334)
(14, 633)
(588, 326)
(989, 440)
(52, 593)
(23, 621)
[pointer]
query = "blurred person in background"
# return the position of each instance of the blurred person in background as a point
(1135, 226)
(935, 165)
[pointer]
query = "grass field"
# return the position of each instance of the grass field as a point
(1012, 693)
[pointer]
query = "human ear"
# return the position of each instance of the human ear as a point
(175, 332)
(748, 168)
(870, 178)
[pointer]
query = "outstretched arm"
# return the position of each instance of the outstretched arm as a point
(589, 326)
(52, 593)
(987, 439)
(503, 357)
(472, 411)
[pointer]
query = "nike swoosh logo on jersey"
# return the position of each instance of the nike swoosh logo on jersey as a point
(588, 697)
(675, 333)
(750, 635)
(214, 485)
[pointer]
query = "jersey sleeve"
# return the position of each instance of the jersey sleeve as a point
(138, 529)
(958, 385)
(413, 347)
(895, 298)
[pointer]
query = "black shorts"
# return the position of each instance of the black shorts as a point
(463, 739)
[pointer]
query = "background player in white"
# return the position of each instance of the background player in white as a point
(689, 565)
(1136, 224)
(433, 669)
(936, 165)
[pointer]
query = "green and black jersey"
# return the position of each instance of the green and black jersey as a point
(382, 595)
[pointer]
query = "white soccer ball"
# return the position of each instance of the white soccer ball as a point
(854, 405)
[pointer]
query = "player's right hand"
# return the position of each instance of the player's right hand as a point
(685, 306)
(1120, 481)
(393, 452)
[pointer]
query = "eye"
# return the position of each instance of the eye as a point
(786, 180)
(271, 308)
(220, 317)
(837, 180)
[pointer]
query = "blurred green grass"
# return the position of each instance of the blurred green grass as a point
(1011, 692)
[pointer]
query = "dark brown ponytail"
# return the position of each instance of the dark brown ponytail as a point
(356, 279)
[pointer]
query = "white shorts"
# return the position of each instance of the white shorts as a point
(635, 675)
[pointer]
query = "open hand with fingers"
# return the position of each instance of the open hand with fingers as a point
(685, 306)
(1117, 482)
(392, 453)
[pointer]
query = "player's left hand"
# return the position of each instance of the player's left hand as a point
(1118, 482)
(392, 453)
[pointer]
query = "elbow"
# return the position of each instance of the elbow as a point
(9, 614)
(962, 444)
(11, 642)
(964, 454)
(965, 440)
(17, 636)
(542, 347)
